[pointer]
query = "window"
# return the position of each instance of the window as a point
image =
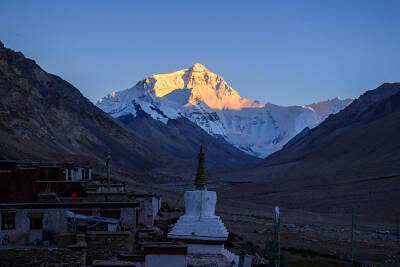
(36, 221)
(7, 220)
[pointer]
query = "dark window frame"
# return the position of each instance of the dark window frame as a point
(36, 222)
(8, 220)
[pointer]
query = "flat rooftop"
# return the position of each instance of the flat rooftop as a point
(79, 205)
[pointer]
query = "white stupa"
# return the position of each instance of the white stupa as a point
(202, 231)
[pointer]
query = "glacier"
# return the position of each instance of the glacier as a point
(204, 98)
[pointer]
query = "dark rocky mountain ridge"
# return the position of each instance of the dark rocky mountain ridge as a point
(349, 160)
(44, 118)
(370, 106)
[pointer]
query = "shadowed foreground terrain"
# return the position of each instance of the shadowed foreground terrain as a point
(350, 161)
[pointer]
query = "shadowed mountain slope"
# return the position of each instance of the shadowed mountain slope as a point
(43, 117)
(181, 138)
(350, 160)
(371, 106)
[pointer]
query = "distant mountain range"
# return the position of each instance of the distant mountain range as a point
(349, 160)
(205, 99)
(157, 124)
(331, 106)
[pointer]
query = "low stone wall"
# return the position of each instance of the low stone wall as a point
(104, 245)
(39, 256)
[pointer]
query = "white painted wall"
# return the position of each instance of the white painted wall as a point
(156, 203)
(200, 203)
(199, 220)
(205, 249)
(128, 218)
(231, 257)
(157, 260)
(138, 263)
(76, 174)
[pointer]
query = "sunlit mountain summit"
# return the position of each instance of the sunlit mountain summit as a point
(206, 99)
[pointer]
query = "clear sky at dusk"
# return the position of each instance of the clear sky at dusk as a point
(284, 52)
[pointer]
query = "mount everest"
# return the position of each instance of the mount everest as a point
(205, 99)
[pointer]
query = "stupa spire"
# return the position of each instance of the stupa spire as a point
(200, 182)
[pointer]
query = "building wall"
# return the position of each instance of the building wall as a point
(54, 221)
(231, 257)
(146, 214)
(18, 185)
(205, 248)
(36, 257)
(78, 174)
(149, 207)
(156, 202)
(105, 196)
(128, 218)
(158, 260)
(104, 245)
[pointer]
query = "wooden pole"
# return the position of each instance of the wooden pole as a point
(352, 235)
(278, 235)
(108, 159)
(397, 229)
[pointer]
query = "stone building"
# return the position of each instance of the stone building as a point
(35, 182)
(28, 223)
(150, 204)
(58, 208)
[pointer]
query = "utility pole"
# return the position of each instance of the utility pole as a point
(278, 235)
(352, 235)
(108, 159)
(397, 229)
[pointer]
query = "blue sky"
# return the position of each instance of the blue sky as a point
(284, 52)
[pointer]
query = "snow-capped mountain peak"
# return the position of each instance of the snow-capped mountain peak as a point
(203, 85)
(207, 100)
